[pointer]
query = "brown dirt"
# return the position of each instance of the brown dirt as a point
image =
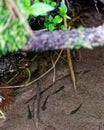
(90, 76)
(90, 85)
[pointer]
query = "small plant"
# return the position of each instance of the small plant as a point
(50, 2)
(13, 34)
(56, 22)
(36, 9)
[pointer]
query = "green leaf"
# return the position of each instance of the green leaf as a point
(25, 4)
(10, 39)
(50, 19)
(39, 9)
(63, 8)
(46, 24)
(67, 17)
(63, 27)
(37, 1)
(53, 4)
(47, 1)
(51, 27)
(57, 19)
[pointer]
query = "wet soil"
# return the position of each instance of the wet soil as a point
(67, 109)
(62, 111)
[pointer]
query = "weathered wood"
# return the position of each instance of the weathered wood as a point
(46, 40)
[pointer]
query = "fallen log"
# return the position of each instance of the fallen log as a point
(77, 38)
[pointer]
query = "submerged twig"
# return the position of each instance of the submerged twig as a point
(58, 90)
(46, 88)
(29, 113)
(53, 93)
(44, 104)
(74, 111)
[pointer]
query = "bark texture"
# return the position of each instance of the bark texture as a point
(46, 40)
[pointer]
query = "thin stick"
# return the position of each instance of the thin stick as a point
(71, 69)
(69, 58)
(54, 69)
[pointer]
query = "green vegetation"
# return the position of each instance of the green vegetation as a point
(13, 34)
(14, 27)
(56, 22)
